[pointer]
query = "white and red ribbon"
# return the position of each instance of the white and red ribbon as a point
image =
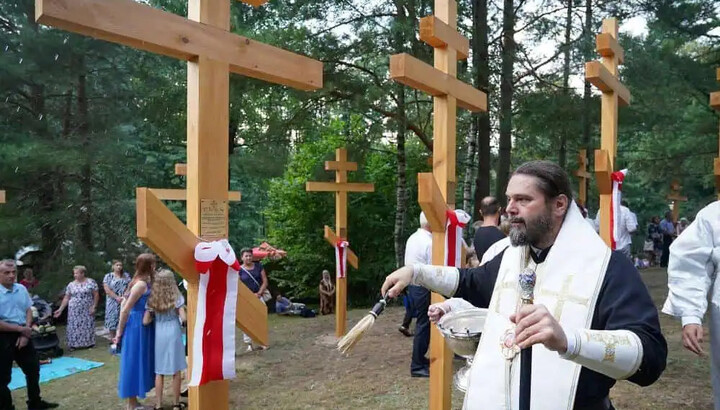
(214, 334)
(456, 221)
(341, 248)
(617, 181)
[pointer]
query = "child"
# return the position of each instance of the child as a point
(165, 306)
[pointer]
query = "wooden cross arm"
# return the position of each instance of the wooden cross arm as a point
(255, 3)
(2, 197)
(676, 197)
(146, 28)
(412, 72)
(333, 239)
(715, 100)
(180, 169)
(181, 194)
(603, 171)
(431, 201)
(600, 77)
(717, 73)
(163, 232)
(716, 169)
(339, 187)
(583, 173)
(340, 166)
(608, 46)
(438, 34)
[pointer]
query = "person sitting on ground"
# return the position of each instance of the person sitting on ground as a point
(284, 306)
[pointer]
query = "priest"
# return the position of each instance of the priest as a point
(593, 321)
(693, 275)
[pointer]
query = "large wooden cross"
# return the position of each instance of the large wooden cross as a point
(715, 104)
(604, 76)
(175, 194)
(212, 51)
(341, 187)
(676, 198)
(436, 190)
(583, 176)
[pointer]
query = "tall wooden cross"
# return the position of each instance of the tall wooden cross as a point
(715, 104)
(676, 198)
(174, 194)
(212, 51)
(436, 190)
(604, 76)
(341, 187)
(583, 177)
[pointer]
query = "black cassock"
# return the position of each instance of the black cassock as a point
(623, 304)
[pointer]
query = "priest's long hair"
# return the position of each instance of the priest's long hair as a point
(552, 180)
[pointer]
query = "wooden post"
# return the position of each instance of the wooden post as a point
(604, 76)
(436, 191)
(715, 104)
(341, 188)
(676, 198)
(2, 197)
(583, 176)
(212, 51)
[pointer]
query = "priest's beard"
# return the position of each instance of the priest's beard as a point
(531, 231)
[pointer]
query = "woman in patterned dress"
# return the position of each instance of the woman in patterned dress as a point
(81, 299)
(115, 284)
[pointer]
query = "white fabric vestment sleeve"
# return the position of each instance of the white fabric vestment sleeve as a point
(458, 304)
(690, 271)
(614, 353)
(441, 279)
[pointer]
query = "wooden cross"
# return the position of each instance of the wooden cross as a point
(676, 198)
(172, 194)
(563, 296)
(436, 191)
(341, 187)
(715, 104)
(583, 177)
(604, 76)
(212, 51)
(2, 197)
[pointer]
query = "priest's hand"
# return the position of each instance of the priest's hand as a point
(437, 310)
(692, 337)
(397, 281)
(535, 324)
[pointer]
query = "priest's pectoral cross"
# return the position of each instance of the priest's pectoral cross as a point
(212, 51)
(676, 198)
(604, 76)
(341, 187)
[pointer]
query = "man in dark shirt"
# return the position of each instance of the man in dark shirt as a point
(488, 233)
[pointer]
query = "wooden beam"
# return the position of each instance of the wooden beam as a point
(716, 171)
(2, 197)
(332, 239)
(251, 315)
(603, 171)
(676, 197)
(165, 194)
(340, 166)
(255, 3)
(438, 34)
(180, 169)
(717, 74)
(339, 187)
(600, 77)
(431, 201)
(412, 72)
(715, 100)
(607, 46)
(146, 28)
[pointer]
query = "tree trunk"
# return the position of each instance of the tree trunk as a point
(506, 96)
(587, 54)
(562, 157)
(49, 234)
(401, 182)
(85, 217)
(481, 120)
(469, 168)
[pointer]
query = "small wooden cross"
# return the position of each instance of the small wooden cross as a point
(583, 177)
(715, 104)
(212, 51)
(563, 296)
(341, 187)
(604, 76)
(676, 198)
(436, 191)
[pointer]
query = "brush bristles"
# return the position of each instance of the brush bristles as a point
(355, 334)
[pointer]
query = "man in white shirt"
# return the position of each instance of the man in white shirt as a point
(418, 249)
(693, 275)
(627, 227)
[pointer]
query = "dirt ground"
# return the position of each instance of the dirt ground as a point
(302, 370)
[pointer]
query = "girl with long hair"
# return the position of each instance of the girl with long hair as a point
(137, 358)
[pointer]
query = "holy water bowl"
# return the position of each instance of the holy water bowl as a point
(462, 330)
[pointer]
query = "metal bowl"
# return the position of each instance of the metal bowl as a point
(462, 330)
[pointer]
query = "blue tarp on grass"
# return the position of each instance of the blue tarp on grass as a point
(60, 367)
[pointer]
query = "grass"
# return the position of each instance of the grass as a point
(302, 370)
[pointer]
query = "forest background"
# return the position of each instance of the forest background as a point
(83, 122)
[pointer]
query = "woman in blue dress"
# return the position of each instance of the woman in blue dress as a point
(165, 308)
(137, 360)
